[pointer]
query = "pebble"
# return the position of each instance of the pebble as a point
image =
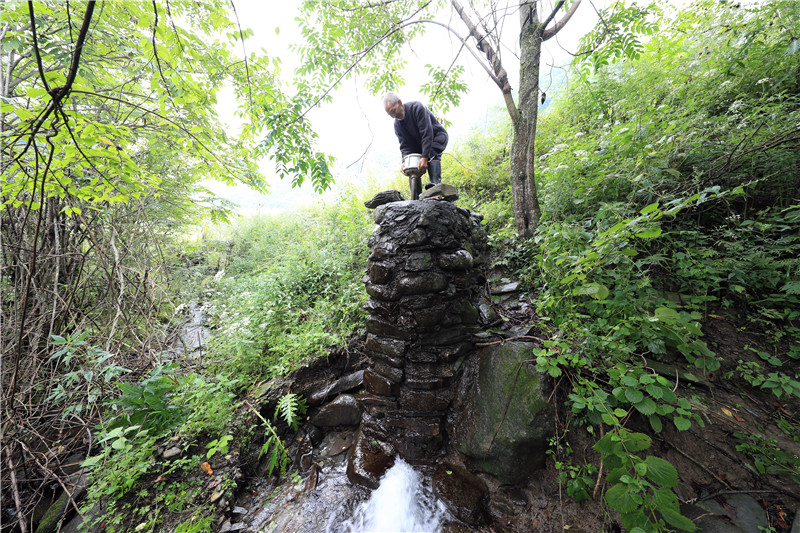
(172, 452)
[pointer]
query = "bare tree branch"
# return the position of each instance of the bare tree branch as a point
(550, 32)
(500, 72)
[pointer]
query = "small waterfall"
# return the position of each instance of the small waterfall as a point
(401, 504)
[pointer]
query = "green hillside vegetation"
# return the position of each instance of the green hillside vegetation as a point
(670, 193)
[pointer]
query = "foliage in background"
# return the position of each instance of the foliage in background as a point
(279, 290)
(109, 127)
(669, 195)
(293, 289)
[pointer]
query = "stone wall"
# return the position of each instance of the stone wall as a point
(424, 272)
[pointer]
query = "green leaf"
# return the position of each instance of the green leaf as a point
(650, 208)
(595, 290)
(620, 498)
(661, 471)
(607, 444)
(666, 499)
(682, 423)
(655, 423)
(647, 407)
(676, 519)
(666, 314)
(636, 442)
(92, 461)
(634, 395)
(649, 233)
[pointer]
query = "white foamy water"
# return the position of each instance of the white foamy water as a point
(401, 504)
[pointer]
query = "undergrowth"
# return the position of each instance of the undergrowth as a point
(669, 198)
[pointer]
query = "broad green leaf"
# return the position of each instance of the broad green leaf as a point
(92, 461)
(665, 499)
(661, 471)
(634, 395)
(621, 498)
(649, 233)
(647, 406)
(636, 442)
(650, 208)
(666, 314)
(676, 519)
(682, 423)
(595, 290)
(655, 423)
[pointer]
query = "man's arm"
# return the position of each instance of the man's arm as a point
(405, 144)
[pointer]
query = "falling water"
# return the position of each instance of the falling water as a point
(401, 504)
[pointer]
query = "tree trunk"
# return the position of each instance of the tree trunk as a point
(523, 180)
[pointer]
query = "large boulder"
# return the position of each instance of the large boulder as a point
(501, 418)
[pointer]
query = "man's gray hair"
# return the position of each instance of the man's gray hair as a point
(390, 98)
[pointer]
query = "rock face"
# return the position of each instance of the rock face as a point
(501, 418)
(422, 276)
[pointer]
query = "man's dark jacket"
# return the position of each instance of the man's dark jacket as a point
(420, 132)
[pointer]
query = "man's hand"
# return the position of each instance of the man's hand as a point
(423, 165)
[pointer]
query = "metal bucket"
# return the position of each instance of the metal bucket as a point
(410, 165)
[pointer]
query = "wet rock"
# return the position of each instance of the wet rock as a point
(443, 337)
(336, 445)
(419, 261)
(367, 463)
(342, 411)
(464, 493)
(77, 483)
(72, 463)
(500, 390)
(240, 511)
(305, 455)
(417, 237)
(447, 192)
(374, 383)
(384, 328)
(312, 432)
(507, 501)
(505, 288)
(379, 273)
(740, 511)
(430, 316)
(707, 522)
(345, 383)
(384, 250)
(459, 260)
(393, 374)
(426, 426)
(392, 348)
(382, 292)
(425, 400)
(382, 308)
(422, 284)
(384, 197)
(227, 526)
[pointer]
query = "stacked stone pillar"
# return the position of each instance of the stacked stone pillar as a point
(422, 276)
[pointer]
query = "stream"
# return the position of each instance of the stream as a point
(326, 501)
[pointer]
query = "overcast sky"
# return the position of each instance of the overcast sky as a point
(354, 128)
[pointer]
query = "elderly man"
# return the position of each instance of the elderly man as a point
(419, 133)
